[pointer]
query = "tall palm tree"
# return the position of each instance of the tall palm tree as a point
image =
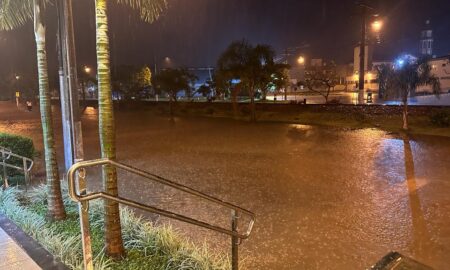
(403, 80)
(149, 11)
(14, 13)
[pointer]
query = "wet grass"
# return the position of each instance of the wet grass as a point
(419, 125)
(148, 246)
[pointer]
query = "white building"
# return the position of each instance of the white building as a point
(426, 40)
(441, 69)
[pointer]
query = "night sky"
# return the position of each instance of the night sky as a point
(194, 32)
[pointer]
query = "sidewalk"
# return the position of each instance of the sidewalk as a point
(13, 256)
(18, 251)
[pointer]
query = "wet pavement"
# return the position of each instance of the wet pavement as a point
(13, 257)
(324, 198)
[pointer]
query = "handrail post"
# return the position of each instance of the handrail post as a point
(83, 208)
(25, 172)
(4, 165)
(234, 241)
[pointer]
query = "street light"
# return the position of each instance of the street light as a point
(377, 25)
(365, 12)
(87, 69)
(301, 60)
(17, 77)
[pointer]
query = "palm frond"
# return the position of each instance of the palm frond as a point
(15, 13)
(149, 10)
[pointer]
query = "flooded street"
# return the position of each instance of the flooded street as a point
(324, 198)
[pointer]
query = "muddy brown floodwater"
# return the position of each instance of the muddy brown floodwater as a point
(324, 198)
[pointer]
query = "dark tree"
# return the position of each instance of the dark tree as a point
(251, 65)
(322, 79)
(173, 81)
(404, 79)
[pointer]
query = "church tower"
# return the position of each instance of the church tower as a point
(426, 40)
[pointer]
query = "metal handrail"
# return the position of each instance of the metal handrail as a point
(82, 197)
(26, 162)
(6, 150)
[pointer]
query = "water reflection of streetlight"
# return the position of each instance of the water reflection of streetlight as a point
(422, 244)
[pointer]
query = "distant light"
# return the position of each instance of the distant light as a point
(404, 60)
(377, 26)
(301, 60)
(17, 77)
(87, 69)
(235, 81)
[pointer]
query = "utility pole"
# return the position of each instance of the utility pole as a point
(70, 106)
(286, 53)
(63, 86)
(364, 12)
(362, 54)
(289, 52)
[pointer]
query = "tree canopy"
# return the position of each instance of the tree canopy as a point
(173, 81)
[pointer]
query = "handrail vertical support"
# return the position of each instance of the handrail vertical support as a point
(4, 166)
(83, 208)
(234, 241)
(25, 173)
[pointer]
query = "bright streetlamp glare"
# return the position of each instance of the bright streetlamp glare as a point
(301, 60)
(377, 26)
(87, 69)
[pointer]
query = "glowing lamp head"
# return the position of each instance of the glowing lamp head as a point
(87, 69)
(377, 26)
(301, 60)
(399, 63)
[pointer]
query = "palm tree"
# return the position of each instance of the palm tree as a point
(252, 65)
(14, 13)
(149, 11)
(404, 79)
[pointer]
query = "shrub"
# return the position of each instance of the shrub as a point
(18, 145)
(440, 119)
(14, 180)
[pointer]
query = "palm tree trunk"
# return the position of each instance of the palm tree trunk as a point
(405, 115)
(113, 235)
(171, 107)
(252, 104)
(234, 94)
(55, 204)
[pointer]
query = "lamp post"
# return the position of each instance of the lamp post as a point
(301, 60)
(87, 70)
(17, 77)
(290, 51)
(365, 11)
